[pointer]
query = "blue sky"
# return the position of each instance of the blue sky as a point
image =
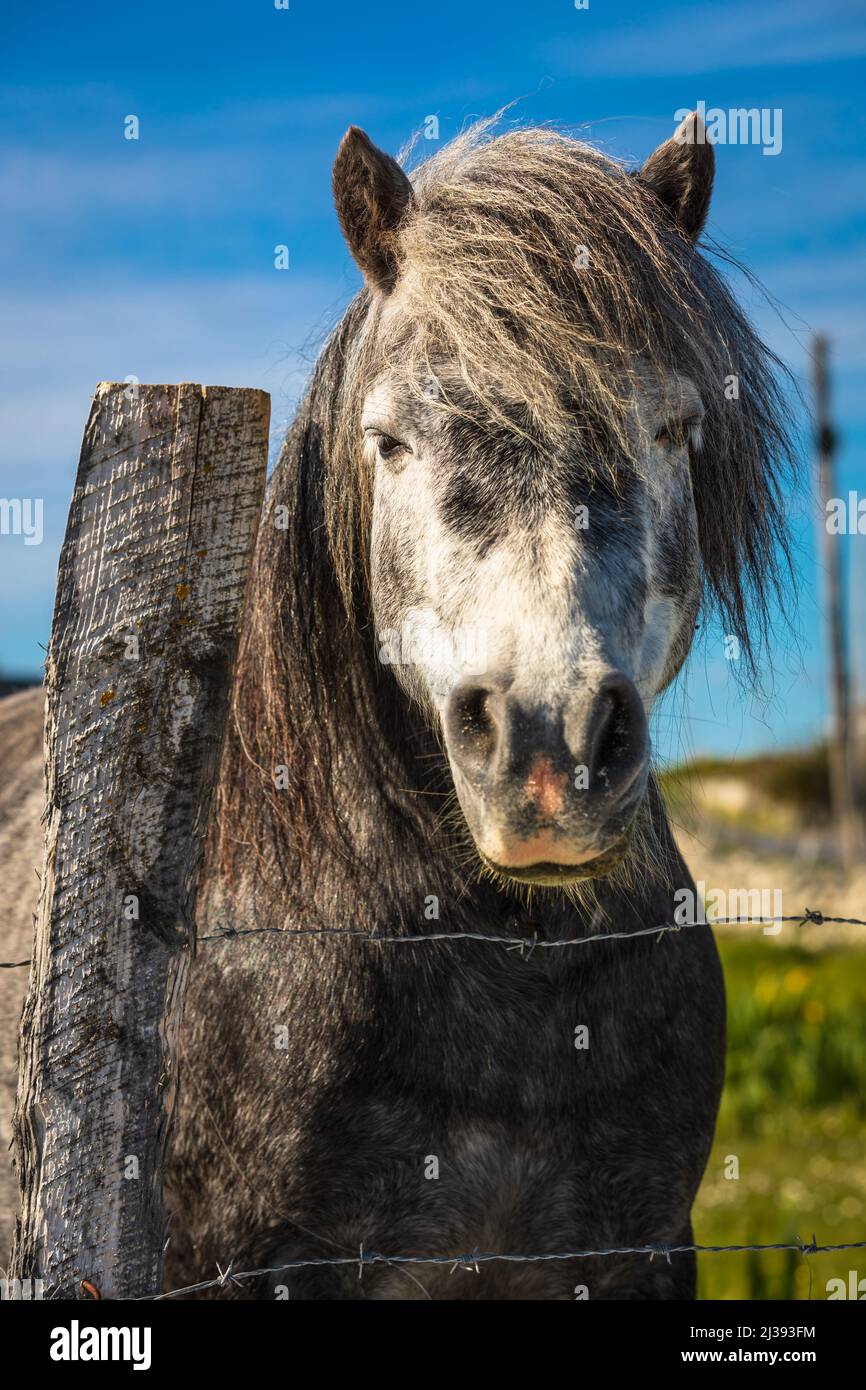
(155, 257)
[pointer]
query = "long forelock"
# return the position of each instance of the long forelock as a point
(547, 275)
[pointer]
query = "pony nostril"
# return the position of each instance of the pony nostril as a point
(610, 730)
(471, 723)
(620, 737)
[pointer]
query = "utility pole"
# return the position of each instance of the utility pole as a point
(839, 743)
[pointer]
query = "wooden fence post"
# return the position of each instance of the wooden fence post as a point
(151, 585)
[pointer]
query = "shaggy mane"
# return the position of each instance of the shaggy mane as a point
(492, 283)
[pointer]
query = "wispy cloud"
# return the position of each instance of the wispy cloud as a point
(711, 38)
(262, 331)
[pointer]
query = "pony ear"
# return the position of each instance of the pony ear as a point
(680, 173)
(371, 195)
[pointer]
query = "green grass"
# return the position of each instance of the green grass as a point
(793, 1115)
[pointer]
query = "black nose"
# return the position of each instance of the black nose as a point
(598, 736)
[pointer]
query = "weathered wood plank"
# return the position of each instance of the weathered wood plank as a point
(151, 585)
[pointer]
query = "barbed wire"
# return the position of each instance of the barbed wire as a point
(524, 945)
(476, 1258)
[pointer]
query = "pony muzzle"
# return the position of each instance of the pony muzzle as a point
(549, 791)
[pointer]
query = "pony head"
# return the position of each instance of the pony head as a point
(562, 429)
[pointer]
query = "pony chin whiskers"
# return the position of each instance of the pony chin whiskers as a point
(644, 857)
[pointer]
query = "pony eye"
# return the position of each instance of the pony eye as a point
(387, 445)
(675, 434)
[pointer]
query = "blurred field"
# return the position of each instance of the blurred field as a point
(794, 1106)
